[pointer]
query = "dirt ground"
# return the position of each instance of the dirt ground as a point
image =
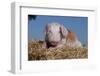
(36, 52)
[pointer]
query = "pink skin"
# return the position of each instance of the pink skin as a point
(54, 34)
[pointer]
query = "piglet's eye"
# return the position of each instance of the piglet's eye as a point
(49, 31)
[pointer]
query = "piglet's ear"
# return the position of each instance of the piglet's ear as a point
(63, 31)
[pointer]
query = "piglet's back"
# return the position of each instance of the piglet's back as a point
(71, 36)
(72, 40)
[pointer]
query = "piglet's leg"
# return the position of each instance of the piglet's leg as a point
(44, 45)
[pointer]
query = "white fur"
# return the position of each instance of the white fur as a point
(53, 34)
(75, 43)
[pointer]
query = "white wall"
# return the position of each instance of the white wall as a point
(5, 33)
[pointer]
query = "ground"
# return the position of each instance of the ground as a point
(36, 52)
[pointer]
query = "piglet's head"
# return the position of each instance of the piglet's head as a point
(54, 32)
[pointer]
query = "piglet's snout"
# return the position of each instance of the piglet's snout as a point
(54, 43)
